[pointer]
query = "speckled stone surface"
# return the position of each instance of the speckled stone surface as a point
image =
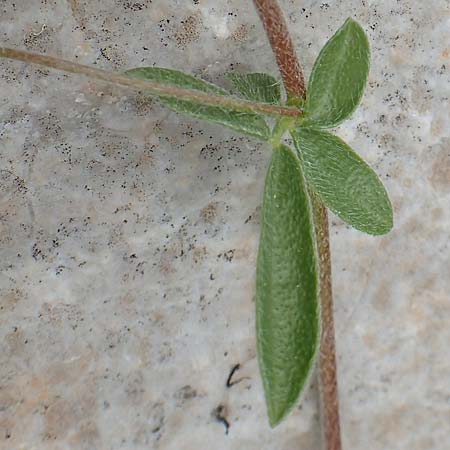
(128, 234)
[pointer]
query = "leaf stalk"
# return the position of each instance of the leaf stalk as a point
(283, 125)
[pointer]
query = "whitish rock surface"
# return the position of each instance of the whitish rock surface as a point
(128, 234)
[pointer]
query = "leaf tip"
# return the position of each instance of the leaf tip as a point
(351, 22)
(276, 414)
(231, 76)
(384, 226)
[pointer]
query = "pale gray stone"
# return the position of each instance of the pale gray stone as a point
(128, 234)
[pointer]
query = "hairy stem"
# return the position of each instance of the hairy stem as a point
(328, 383)
(282, 46)
(152, 87)
(291, 72)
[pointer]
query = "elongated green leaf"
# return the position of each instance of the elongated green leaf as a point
(287, 311)
(343, 181)
(248, 123)
(338, 77)
(259, 87)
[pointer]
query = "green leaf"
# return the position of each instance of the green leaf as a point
(287, 308)
(338, 78)
(258, 87)
(248, 123)
(343, 181)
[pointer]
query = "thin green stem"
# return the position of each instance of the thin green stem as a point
(152, 87)
(283, 125)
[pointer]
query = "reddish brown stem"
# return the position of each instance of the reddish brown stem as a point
(328, 384)
(291, 72)
(282, 46)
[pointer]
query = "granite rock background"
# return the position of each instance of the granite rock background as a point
(128, 234)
